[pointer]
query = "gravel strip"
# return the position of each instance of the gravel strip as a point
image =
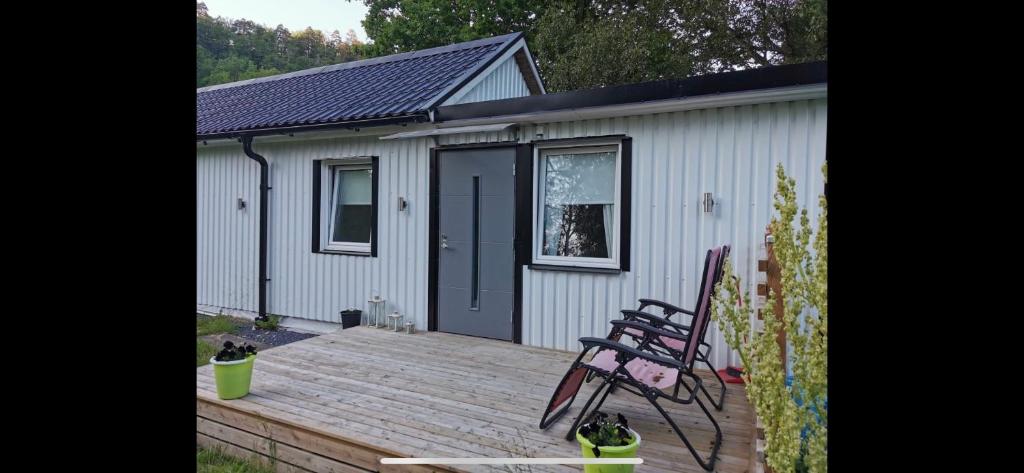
(272, 337)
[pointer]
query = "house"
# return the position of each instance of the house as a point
(449, 183)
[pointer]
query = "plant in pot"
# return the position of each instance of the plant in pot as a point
(232, 369)
(600, 437)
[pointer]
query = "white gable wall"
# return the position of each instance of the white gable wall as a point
(504, 82)
(501, 80)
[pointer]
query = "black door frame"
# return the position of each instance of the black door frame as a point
(522, 241)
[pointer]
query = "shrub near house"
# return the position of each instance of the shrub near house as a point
(795, 416)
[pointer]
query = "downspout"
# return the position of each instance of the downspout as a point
(264, 188)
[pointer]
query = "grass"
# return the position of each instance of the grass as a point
(209, 325)
(216, 461)
(203, 352)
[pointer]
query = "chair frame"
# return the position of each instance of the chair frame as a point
(664, 323)
(651, 335)
(619, 377)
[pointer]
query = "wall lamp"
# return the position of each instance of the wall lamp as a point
(709, 203)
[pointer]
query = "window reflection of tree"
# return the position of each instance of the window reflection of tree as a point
(579, 228)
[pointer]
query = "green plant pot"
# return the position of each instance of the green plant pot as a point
(233, 377)
(625, 451)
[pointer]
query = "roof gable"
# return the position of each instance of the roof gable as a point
(401, 85)
(511, 75)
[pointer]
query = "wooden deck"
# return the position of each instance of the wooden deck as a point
(340, 402)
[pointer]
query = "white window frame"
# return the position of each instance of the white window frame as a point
(541, 150)
(327, 196)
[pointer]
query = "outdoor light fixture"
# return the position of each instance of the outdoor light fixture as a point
(709, 203)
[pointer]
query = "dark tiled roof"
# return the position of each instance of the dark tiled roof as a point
(390, 86)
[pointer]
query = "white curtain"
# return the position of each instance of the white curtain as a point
(577, 179)
(609, 227)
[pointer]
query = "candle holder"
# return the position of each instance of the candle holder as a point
(397, 318)
(375, 317)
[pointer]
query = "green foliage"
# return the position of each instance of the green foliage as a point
(271, 322)
(204, 351)
(586, 44)
(577, 44)
(216, 461)
(608, 45)
(209, 325)
(401, 25)
(805, 322)
(232, 50)
(602, 432)
(232, 352)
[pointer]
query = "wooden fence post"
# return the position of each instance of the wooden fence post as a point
(773, 281)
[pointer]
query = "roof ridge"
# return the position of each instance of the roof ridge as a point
(370, 61)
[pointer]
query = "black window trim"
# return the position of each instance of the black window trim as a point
(626, 200)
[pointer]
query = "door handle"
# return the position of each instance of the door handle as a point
(444, 241)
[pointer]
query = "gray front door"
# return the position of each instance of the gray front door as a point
(476, 223)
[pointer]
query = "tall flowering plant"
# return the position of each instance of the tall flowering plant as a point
(795, 416)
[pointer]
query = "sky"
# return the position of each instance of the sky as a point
(296, 15)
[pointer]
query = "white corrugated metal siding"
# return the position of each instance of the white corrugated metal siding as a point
(304, 284)
(227, 239)
(506, 81)
(731, 152)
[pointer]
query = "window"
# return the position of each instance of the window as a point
(345, 209)
(350, 206)
(578, 206)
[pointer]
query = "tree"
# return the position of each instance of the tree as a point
(575, 47)
(731, 34)
(232, 50)
(575, 41)
(400, 25)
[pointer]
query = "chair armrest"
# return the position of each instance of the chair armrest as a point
(668, 308)
(654, 320)
(590, 342)
(647, 328)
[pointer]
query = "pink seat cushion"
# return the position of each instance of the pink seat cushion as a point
(670, 342)
(651, 374)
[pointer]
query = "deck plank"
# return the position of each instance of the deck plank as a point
(341, 401)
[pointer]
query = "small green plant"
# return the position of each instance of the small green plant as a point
(268, 322)
(232, 352)
(604, 433)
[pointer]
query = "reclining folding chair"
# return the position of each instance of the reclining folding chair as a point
(640, 370)
(719, 254)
